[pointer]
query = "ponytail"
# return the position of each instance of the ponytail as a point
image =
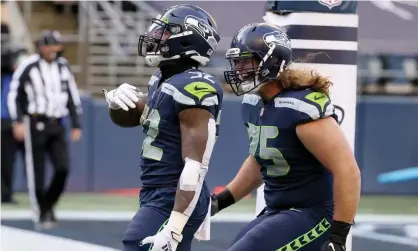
(295, 79)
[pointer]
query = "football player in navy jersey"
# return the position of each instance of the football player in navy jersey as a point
(180, 122)
(296, 148)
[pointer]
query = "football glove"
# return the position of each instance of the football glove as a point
(339, 233)
(124, 97)
(220, 201)
(166, 240)
(214, 206)
(331, 246)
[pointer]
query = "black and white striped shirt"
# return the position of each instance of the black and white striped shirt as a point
(46, 89)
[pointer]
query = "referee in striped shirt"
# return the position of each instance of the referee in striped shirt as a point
(42, 92)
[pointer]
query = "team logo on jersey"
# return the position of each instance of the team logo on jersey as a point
(277, 38)
(330, 3)
(204, 29)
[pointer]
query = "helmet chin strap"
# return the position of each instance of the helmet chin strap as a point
(153, 59)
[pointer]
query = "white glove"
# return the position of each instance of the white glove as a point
(125, 97)
(166, 240)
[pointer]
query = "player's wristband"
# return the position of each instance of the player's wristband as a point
(225, 199)
(177, 222)
(339, 232)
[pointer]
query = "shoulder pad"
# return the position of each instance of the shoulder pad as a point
(194, 88)
(154, 78)
(309, 104)
(251, 99)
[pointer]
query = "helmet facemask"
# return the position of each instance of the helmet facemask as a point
(248, 73)
(153, 44)
(188, 37)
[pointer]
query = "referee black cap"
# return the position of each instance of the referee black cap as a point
(49, 37)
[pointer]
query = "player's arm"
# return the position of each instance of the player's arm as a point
(326, 141)
(130, 118)
(126, 104)
(198, 134)
(247, 179)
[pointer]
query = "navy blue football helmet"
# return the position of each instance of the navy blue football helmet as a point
(182, 31)
(258, 53)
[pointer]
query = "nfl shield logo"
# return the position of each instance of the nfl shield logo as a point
(330, 3)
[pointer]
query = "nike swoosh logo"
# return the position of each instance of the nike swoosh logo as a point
(200, 88)
(318, 98)
(332, 246)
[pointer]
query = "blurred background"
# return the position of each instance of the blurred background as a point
(101, 46)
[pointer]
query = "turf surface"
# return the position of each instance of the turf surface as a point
(91, 201)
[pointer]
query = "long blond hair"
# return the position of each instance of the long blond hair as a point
(296, 79)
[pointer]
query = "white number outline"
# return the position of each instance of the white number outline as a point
(258, 136)
(153, 117)
(203, 75)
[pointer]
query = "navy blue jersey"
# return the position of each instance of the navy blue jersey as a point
(293, 177)
(161, 160)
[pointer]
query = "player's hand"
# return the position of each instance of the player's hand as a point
(75, 134)
(125, 97)
(165, 240)
(331, 246)
(19, 131)
(214, 206)
(338, 237)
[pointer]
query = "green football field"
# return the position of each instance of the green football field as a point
(104, 202)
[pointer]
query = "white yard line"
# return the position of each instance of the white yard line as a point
(13, 239)
(221, 217)
(24, 240)
(386, 238)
